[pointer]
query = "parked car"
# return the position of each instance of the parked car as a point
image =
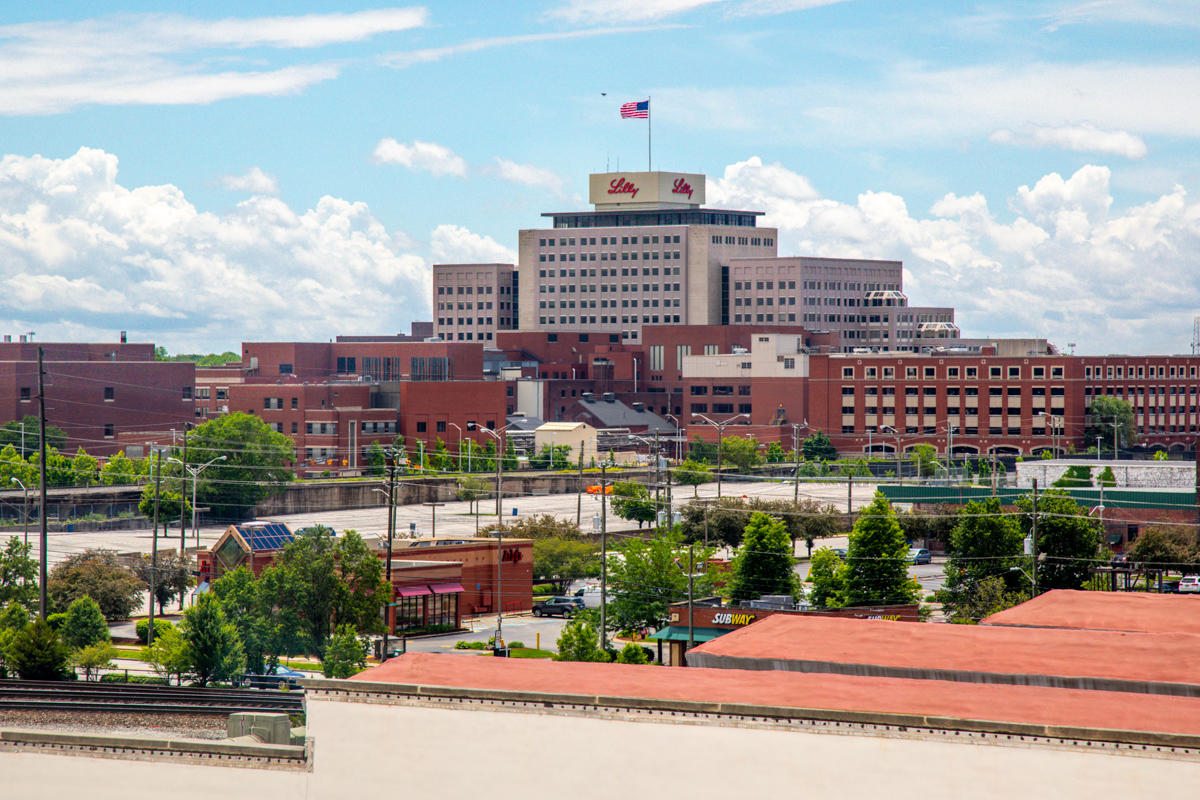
(919, 555)
(560, 606)
(1189, 584)
(277, 677)
(841, 552)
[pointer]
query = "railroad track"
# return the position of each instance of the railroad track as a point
(142, 699)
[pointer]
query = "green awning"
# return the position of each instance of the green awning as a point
(677, 633)
(1115, 538)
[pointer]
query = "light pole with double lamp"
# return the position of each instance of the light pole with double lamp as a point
(452, 425)
(497, 435)
(680, 436)
(720, 426)
(899, 464)
(195, 473)
(25, 514)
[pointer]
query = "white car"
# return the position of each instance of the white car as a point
(1189, 584)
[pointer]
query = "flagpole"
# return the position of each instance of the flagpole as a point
(649, 161)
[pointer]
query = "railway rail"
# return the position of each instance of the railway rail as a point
(142, 698)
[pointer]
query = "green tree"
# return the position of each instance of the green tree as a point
(741, 451)
(266, 630)
(702, 451)
(632, 501)
(59, 471)
(984, 546)
(85, 468)
(345, 654)
(1106, 477)
(169, 655)
(93, 658)
(1166, 548)
(99, 574)
(924, 456)
(18, 574)
(692, 473)
(472, 488)
(764, 564)
(326, 582)
(775, 453)
(173, 575)
(1102, 413)
(38, 654)
(216, 652)
(579, 641)
(632, 654)
(878, 559)
(13, 618)
(1075, 476)
(10, 433)
(168, 505)
(560, 560)
(649, 575)
(537, 526)
(1067, 536)
(84, 625)
(827, 573)
(120, 470)
(257, 462)
(817, 447)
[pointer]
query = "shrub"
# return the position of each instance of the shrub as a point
(516, 644)
(37, 654)
(84, 625)
(633, 654)
(56, 620)
(462, 644)
(143, 628)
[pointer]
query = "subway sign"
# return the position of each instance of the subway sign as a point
(733, 619)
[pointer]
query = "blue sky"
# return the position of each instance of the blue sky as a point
(220, 172)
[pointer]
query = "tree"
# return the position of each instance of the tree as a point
(168, 504)
(764, 564)
(376, 460)
(538, 526)
(632, 501)
(726, 519)
(560, 560)
(471, 488)
(84, 625)
(1106, 477)
(212, 641)
(121, 470)
(983, 548)
(1167, 549)
(266, 630)
(648, 575)
(579, 641)
(632, 654)
(173, 575)
(827, 573)
(924, 456)
(169, 655)
(878, 559)
(552, 457)
(85, 468)
(741, 451)
(10, 433)
(37, 654)
(18, 574)
(345, 654)
(702, 451)
(13, 618)
(775, 453)
(1102, 413)
(817, 447)
(1075, 476)
(99, 575)
(258, 462)
(326, 582)
(692, 473)
(93, 658)
(1069, 538)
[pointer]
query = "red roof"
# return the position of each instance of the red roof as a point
(1170, 657)
(1020, 704)
(1108, 611)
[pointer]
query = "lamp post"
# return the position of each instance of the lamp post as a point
(720, 426)
(499, 531)
(679, 436)
(389, 460)
(195, 473)
(25, 512)
(452, 425)
(899, 469)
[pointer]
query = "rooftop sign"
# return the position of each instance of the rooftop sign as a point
(646, 190)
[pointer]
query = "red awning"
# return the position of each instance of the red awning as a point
(412, 591)
(446, 588)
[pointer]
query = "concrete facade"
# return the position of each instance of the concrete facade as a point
(471, 302)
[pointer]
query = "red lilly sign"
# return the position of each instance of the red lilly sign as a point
(681, 186)
(622, 186)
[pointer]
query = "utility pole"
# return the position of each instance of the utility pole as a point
(579, 493)
(1033, 536)
(182, 498)
(603, 558)
(850, 500)
(388, 614)
(154, 543)
(657, 484)
(796, 456)
(43, 550)
(691, 599)
(433, 507)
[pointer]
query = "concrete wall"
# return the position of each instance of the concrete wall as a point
(1129, 474)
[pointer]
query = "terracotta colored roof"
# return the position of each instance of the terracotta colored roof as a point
(968, 701)
(1108, 611)
(1168, 657)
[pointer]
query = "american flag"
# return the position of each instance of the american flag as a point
(638, 110)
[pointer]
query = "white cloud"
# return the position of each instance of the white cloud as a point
(758, 8)
(1126, 12)
(253, 181)
(406, 58)
(529, 175)
(52, 67)
(452, 244)
(83, 256)
(435, 158)
(1080, 138)
(592, 11)
(1063, 263)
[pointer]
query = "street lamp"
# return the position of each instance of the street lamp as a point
(25, 515)
(720, 426)
(679, 436)
(195, 473)
(499, 531)
(452, 425)
(899, 468)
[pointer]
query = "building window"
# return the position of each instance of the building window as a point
(420, 427)
(109, 394)
(108, 430)
(294, 427)
(186, 392)
(285, 369)
(441, 426)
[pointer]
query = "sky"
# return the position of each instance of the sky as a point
(202, 174)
